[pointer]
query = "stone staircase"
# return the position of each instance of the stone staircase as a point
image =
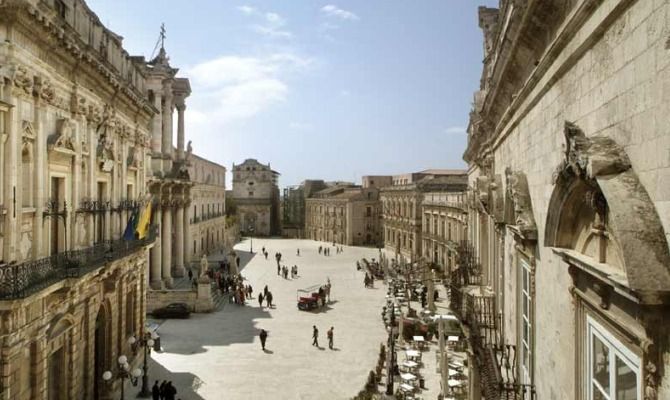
(218, 299)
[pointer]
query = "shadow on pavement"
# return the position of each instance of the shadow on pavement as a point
(186, 383)
(235, 325)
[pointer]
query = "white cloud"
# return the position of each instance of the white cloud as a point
(455, 130)
(334, 11)
(271, 32)
(234, 88)
(248, 10)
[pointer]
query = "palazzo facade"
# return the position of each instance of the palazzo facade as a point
(208, 208)
(567, 269)
(402, 208)
(75, 134)
(443, 228)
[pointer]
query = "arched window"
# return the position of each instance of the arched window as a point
(130, 313)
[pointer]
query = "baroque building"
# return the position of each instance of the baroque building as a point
(169, 182)
(443, 227)
(567, 268)
(293, 206)
(208, 208)
(401, 207)
(256, 196)
(75, 130)
(344, 214)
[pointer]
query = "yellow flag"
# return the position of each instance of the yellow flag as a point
(144, 221)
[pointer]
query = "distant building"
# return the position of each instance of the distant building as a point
(402, 207)
(293, 207)
(256, 196)
(443, 226)
(207, 208)
(345, 214)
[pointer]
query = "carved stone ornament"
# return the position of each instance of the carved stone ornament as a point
(105, 150)
(650, 383)
(482, 191)
(133, 156)
(44, 89)
(78, 104)
(521, 204)
(94, 113)
(27, 129)
(62, 138)
(22, 79)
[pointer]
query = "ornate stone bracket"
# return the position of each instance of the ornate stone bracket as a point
(519, 209)
(62, 138)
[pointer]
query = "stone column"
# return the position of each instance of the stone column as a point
(39, 197)
(179, 242)
(156, 126)
(181, 107)
(166, 243)
(156, 253)
(167, 122)
(188, 251)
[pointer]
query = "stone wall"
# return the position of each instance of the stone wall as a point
(197, 303)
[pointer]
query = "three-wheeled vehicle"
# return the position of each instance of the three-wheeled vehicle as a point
(311, 297)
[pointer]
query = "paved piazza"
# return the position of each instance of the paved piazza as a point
(218, 355)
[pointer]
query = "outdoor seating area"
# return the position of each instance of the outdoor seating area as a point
(418, 373)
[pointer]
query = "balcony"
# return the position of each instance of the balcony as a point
(18, 281)
(499, 375)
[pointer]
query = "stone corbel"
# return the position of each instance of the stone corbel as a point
(44, 90)
(520, 205)
(22, 79)
(62, 139)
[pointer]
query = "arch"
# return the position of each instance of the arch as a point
(63, 322)
(596, 182)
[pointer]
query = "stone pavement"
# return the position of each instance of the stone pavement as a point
(218, 355)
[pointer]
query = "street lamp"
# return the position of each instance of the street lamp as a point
(391, 358)
(123, 373)
(251, 237)
(146, 342)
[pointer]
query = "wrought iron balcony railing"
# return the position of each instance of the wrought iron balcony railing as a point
(499, 366)
(21, 280)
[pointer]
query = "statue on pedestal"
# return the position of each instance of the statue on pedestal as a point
(204, 268)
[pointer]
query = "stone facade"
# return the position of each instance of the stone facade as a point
(207, 221)
(345, 214)
(293, 206)
(570, 208)
(75, 138)
(443, 227)
(256, 196)
(402, 212)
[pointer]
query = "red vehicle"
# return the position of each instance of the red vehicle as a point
(311, 298)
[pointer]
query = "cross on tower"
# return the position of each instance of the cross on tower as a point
(162, 34)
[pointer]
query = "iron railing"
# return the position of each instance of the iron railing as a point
(18, 281)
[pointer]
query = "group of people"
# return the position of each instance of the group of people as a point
(164, 391)
(315, 336)
(324, 250)
(267, 296)
(284, 271)
(369, 281)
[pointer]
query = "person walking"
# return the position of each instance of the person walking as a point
(315, 336)
(268, 299)
(265, 290)
(155, 392)
(263, 335)
(260, 300)
(298, 253)
(161, 390)
(171, 391)
(190, 275)
(330, 337)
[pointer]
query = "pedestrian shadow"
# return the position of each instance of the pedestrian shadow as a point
(266, 351)
(335, 349)
(321, 348)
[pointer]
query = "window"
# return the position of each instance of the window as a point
(613, 371)
(195, 247)
(526, 342)
(60, 7)
(251, 194)
(368, 211)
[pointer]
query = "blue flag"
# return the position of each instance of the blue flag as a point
(129, 233)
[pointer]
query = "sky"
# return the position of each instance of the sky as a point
(318, 89)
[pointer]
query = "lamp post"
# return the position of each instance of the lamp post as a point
(391, 357)
(146, 342)
(251, 237)
(123, 373)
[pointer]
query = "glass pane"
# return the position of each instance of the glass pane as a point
(524, 300)
(626, 381)
(601, 366)
(597, 394)
(524, 274)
